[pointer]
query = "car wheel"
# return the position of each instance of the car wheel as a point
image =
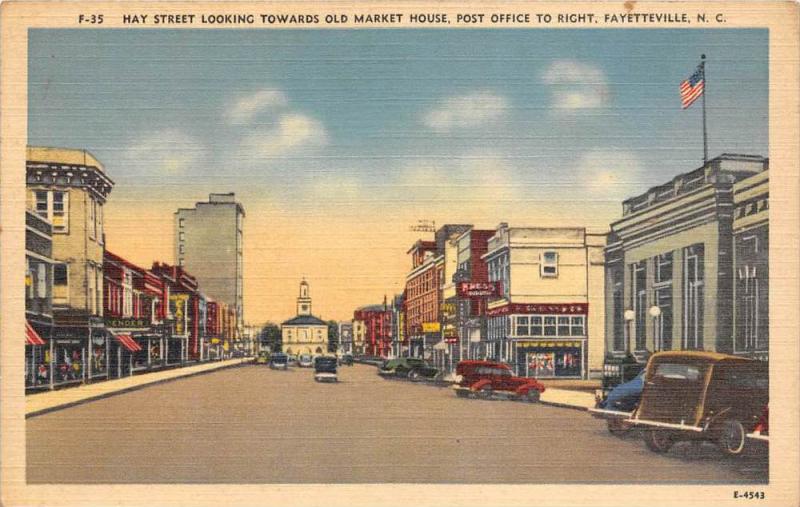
(732, 438)
(413, 376)
(532, 396)
(486, 392)
(659, 440)
(462, 394)
(617, 426)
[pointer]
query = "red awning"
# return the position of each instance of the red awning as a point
(31, 336)
(128, 342)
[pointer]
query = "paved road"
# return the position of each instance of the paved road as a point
(253, 425)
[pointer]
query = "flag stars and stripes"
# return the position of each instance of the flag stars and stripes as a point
(692, 88)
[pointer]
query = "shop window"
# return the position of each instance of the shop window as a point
(549, 265)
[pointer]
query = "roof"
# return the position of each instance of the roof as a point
(373, 308)
(70, 156)
(304, 320)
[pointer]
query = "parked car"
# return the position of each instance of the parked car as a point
(701, 396)
(325, 369)
(761, 430)
(346, 359)
(619, 403)
(486, 379)
(279, 361)
(262, 357)
(305, 361)
(412, 368)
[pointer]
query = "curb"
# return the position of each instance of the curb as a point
(123, 390)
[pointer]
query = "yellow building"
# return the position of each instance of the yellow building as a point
(69, 187)
(305, 334)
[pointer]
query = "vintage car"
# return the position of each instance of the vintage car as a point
(305, 361)
(412, 368)
(346, 360)
(325, 369)
(279, 361)
(619, 403)
(490, 379)
(701, 396)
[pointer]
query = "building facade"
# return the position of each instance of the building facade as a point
(39, 369)
(548, 318)
(69, 187)
(209, 244)
(346, 337)
(377, 329)
(305, 333)
(686, 265)
(423, 300)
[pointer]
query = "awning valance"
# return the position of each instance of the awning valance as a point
(31, 336)
(128, 342)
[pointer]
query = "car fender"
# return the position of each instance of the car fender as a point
(477, 386)
(527, 387)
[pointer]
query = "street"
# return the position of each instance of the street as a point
(250, 424)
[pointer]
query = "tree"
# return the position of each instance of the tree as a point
(333, 336)
(270, 336)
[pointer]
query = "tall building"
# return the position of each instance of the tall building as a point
(68, 188)
(208, 244)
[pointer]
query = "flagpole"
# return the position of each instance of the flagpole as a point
(705, 89)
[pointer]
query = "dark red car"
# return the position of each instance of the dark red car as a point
(486, 379)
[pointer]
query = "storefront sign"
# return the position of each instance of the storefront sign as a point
(541, 308)
(431, 327)
(127, 323)
(478, 289)
(548, 344)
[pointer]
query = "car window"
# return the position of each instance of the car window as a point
(674, 371)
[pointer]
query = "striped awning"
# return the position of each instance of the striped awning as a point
(31, 336)
(128, 342)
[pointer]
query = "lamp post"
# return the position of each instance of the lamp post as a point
(655, 312)
(629, 315)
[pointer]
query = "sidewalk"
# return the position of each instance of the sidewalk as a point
(37, 404)
(579, 400)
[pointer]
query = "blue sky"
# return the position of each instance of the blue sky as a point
(379, 127)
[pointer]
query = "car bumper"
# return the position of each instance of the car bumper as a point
(325, 377)
(602, 413)
(758, 436)
(659, 424)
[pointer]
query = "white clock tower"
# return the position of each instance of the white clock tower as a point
(304, 301)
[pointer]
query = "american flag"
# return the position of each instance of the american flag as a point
(692, 88)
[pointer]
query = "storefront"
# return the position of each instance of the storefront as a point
(37, 367)
(544, 358)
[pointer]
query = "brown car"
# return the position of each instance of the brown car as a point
(701, 396)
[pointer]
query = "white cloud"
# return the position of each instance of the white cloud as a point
(170, 151)
(291, 132)
(610, 174)
(467, 111)
(576, 85)
(244, 109)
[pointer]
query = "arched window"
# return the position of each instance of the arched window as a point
(319, 350)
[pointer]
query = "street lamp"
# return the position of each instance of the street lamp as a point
(655, 312)
(629, 315)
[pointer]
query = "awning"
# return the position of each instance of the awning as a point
(31, 336)
(128, 342)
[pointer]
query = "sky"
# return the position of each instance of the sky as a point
(337, 141)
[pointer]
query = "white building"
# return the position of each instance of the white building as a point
(305, 334)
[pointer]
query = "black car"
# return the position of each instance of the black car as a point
(325, 369)
(346, 360)
(412, 368)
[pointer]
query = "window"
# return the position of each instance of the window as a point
(100, 234)
(618, 312)
(28, 280)
(693, 278)
(92, 222)
(662, 339)
(639, 276)
(522, 326)
(41, 280)
(60, 274)
(536, 325)
(181, 221)
(54, 206)
(563, 326)
(550, 326)
(549, 265)
(181, 249)
(577, 326)
(181, 236)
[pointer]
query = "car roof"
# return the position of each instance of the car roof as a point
(697, 355)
